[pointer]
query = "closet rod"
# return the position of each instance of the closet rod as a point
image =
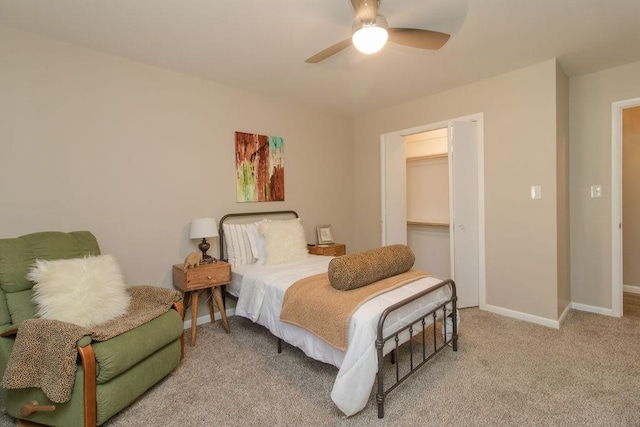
(429, 157)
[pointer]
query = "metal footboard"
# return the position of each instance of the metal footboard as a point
(423, 356)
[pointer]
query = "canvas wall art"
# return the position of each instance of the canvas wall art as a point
(259, 168)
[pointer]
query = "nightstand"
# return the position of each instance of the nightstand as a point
(335, 249)
(207, 277)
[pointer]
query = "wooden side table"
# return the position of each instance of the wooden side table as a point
(335, 249)
(207, 277)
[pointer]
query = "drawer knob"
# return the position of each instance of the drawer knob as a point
(209, 277)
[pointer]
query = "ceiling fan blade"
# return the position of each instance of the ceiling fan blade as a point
(365, 10)
(422, 39)
(332, 50)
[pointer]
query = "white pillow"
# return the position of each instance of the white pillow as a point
(257, 242)
(284, 241)
(238, 245)
(86, 291)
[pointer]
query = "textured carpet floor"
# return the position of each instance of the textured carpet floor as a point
(506, 373)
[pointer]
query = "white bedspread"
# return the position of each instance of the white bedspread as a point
(260, 300)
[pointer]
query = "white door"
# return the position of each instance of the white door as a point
(463, 197)
(394, 189)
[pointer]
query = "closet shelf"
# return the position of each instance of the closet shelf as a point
(428, 223)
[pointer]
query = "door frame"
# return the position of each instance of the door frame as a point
(478, 118)
(617, 287)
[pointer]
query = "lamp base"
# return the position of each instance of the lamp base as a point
(204, 247)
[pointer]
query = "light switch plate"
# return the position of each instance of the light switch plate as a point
(596, 191)
(536, 192)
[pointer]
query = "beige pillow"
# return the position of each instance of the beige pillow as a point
(363, 268)
(86, 291)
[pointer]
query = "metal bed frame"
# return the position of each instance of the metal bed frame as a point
(421, 322)
(417, 329)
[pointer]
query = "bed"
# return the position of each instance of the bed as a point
(376, 330)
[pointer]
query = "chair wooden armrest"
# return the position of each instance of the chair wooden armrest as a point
(88, 358)
(9, 333)
(179, 307)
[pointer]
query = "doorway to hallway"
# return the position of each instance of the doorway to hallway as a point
(625, 201)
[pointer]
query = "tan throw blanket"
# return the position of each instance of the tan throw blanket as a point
(313, 304)
(44, 353)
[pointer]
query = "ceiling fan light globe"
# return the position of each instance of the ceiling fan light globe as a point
(370, 38)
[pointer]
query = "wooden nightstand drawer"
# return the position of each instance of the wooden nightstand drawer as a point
(207, 275)
(337, 249)
(201, 277)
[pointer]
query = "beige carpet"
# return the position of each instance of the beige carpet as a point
(505, 373)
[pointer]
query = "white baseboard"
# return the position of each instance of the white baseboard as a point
(524, 316)
(549, 322)
(592, 309)
(632, 289)
(205, 318)
(564, 314)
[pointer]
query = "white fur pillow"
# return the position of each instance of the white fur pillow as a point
(284, 241)
(86, 291)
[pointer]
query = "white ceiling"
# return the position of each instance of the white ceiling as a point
(261, 45)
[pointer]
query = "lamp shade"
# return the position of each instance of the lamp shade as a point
(203, 227)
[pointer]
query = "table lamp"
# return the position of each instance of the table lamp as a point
(202, 228)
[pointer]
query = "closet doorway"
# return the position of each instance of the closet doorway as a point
(428, 200)
(465, 161)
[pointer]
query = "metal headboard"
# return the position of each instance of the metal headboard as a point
(248, 215)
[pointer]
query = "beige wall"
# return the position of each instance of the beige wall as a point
(591, 97)
(631, 196)
(133, 153)
(520, 150)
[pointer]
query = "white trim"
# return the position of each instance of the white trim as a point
(592, 309)
(383, 188)
(616, 203)
(452, 244)
(555, 324)
(564, 314)
(632, 289)
(479, 118)
(206, 319)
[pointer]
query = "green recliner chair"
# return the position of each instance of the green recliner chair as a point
(110, 374)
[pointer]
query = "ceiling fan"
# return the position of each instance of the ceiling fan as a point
(371, 31)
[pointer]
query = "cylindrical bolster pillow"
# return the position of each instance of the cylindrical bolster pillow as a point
(363, 268)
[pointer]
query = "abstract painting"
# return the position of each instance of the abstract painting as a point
(259, 168)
